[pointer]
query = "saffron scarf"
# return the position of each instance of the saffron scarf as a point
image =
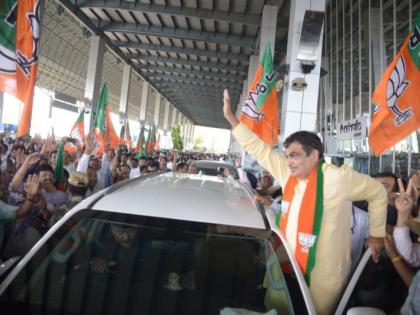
(309, 218)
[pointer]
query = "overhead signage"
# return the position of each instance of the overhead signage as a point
(352, 129)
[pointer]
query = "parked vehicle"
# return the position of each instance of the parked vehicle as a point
(161, 244)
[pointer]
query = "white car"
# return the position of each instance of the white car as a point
(162, 244)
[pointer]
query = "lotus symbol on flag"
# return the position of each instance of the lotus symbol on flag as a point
(306, 241)
(249, 107)
(25, 63)
(395, 88)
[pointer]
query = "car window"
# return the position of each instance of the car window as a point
(109, 263)
(374, 284)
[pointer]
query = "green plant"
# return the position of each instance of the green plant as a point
(177, 139)
(197, 143)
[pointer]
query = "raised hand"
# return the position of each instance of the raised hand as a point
(90, 143)
(404, 202)
(20, 157)
(227, 110)
(31, 186)
(32, 158)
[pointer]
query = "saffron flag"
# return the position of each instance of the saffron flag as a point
(19, 42)
(158, 143)
(78, 130)
(151, 139)
(141, 144)
(104, 129)
(396, 98)
(260, 108)
(125, 136)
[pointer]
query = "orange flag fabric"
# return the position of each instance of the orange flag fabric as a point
(104, 129)
(397, 100)
(78, 130)
(19, 42)
(261, 107)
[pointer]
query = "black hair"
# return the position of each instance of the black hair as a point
(395, 188)
(44, 168)
(309, 141)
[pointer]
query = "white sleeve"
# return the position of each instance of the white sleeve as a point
(83, 164)
(409, 251)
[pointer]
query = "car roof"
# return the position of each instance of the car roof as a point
(190, 197)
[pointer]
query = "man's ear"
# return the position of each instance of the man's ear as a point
(315, 154)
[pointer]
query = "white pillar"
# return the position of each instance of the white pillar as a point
(166, 117)
(94, 75)
(179, 119)
(157, 109)
(299, 108)
(125, 87)
(174, 122)
(268, 27)
(143, 104)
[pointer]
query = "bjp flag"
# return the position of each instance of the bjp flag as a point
(396, 98)
(19, 42)
(260, 108)
(104, 129)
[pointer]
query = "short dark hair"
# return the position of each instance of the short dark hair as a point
(309, 141)
(44, 168)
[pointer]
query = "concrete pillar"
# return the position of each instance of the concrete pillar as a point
(174, 122)
(94, 75)
(299, 108)
(166, 117)
(157, 109)
(179, 119)
(268, 27)
(125, 87)
(143, 104)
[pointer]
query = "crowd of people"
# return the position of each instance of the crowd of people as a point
(31, 198)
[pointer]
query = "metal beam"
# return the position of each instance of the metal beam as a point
(191, 81)
(193, 72)
(196, 90)
(179, 50)
(168, 86)
(230, 17)
(201, 64)
(182, 33)
(75, 12)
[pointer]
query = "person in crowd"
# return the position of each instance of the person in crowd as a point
(389, 181)
(9, 213)
(52, 158)
(78, 186)
(134, 167)
(102, 167)
(400, 248)
(192, 168)
(297, 171)
(245, 177)
(266, 190)
(163, 163)
(152, 166)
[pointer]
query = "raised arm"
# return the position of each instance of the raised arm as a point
(272, 160)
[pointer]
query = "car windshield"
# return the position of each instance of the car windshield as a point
(109, 263)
